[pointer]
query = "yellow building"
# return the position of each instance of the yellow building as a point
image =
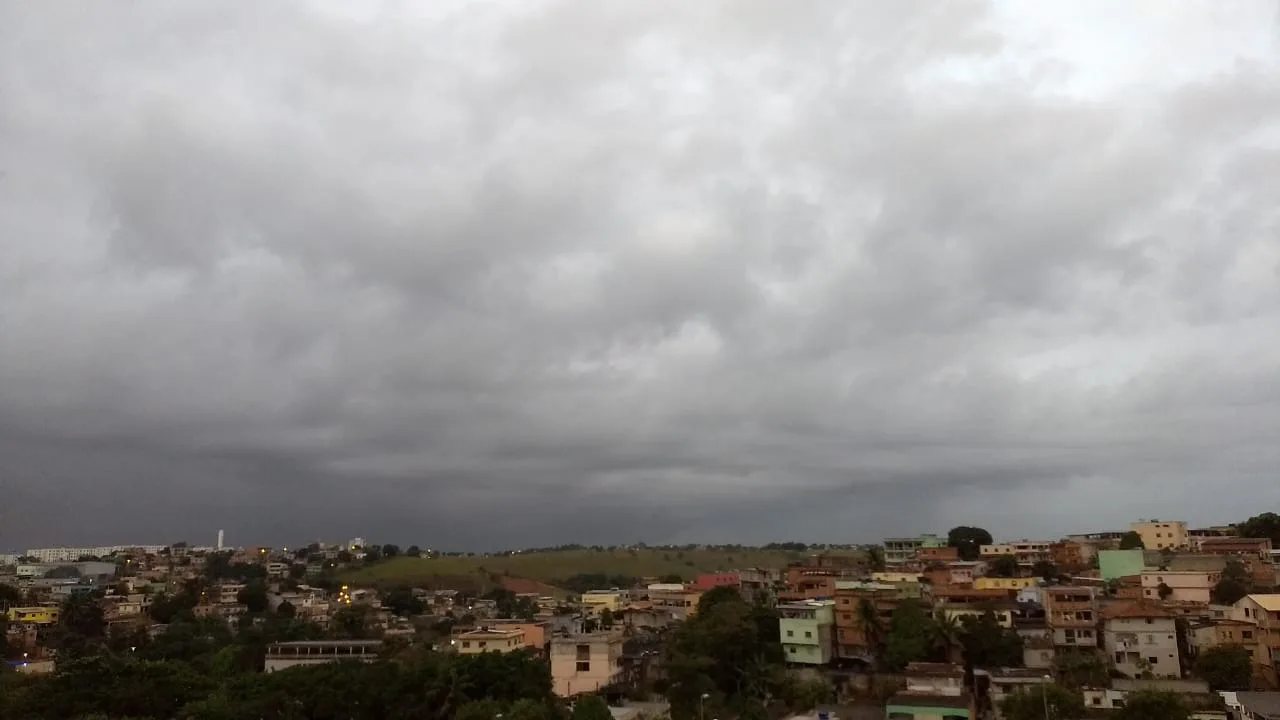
(489, 639)
(1002, 583)
(1161, 534)
(595, 602)
(36, 615)
(891, 578)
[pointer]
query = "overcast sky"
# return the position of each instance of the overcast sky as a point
(495, 274)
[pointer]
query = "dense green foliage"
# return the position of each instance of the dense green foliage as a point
(1004, 566)
(1266, 525)
(1131, 541)
(730, 651)
(968, 541)
(1153, 705)
(1030, 704)
(1234, 584)
(431, 685)
(1225, 667)
(914, 635)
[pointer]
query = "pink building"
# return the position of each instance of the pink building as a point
(714, 580)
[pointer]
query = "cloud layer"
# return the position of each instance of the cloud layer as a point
(553, 271)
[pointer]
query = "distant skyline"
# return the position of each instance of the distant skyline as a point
(557, 271)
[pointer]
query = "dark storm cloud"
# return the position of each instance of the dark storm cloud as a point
(617, 271)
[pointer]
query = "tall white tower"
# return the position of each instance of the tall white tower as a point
(219, 540)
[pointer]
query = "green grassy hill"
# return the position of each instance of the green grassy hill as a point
(552, 566)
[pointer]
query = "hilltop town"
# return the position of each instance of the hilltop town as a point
(1156, 621)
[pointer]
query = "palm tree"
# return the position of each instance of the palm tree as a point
(947, 636)
(872, 626)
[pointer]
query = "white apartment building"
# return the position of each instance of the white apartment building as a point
(71, 554)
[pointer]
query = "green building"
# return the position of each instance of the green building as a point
(1114, 564)
(807, 630)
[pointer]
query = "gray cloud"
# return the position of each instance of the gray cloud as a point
(614, 271)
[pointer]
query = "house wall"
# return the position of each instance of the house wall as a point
(1139, 645)
(1193, 587)
(1161, 534)
(1115, 564)
(585, 663)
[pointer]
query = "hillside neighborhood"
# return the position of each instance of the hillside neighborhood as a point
(1155, 621)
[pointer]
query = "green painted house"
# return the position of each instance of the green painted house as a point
(807, 630)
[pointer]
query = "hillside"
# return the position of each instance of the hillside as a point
(555, 566)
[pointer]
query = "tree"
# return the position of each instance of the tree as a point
(286, 610)
(1131, 541)
(875, 558)
(910, 636)
(987, 644)
(1081, 668)
(968, 541)
(1045, 569)
(1030, 704)
(1004, 566)
(590, 707)
(606, 619)
(414, 551)
(1266, 525)
(947, 636)
(1233, 584)
(390, 551)
(1153, 705)
(872, 625)
(401, 601)
(254, 596)
(1164, 591)
(1225, 667)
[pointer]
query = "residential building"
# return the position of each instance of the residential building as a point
(1186, 586)
(946, 554)
(892, 578)
(1256, 705)
(1072, 555)
(707, 581)
(1206, 634)
(585, 663)
(536, 634)
(1162, 534)
(596, 601)
(965, 572)
(1003, 682)
(679, 601)
(1141, 638)
(807, 630)
(807, 582)
(935, 691)
(898, 551)
(41, 615)
(316, 652)
(1027, 552)
(1264, 612)
(501, 639)
(852, 640)
(1072, 616)
(1003, 583)
(1115, 564)
(1259, 548)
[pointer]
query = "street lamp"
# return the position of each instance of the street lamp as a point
(702, 698)
(1044, 695)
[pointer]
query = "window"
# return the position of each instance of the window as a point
(584, 666)
(483, 644)
(790, 634)
(1153, 660)
(466, 643)
(1097, 701)
(1246, 634)
(791, 649)
(808, 634)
